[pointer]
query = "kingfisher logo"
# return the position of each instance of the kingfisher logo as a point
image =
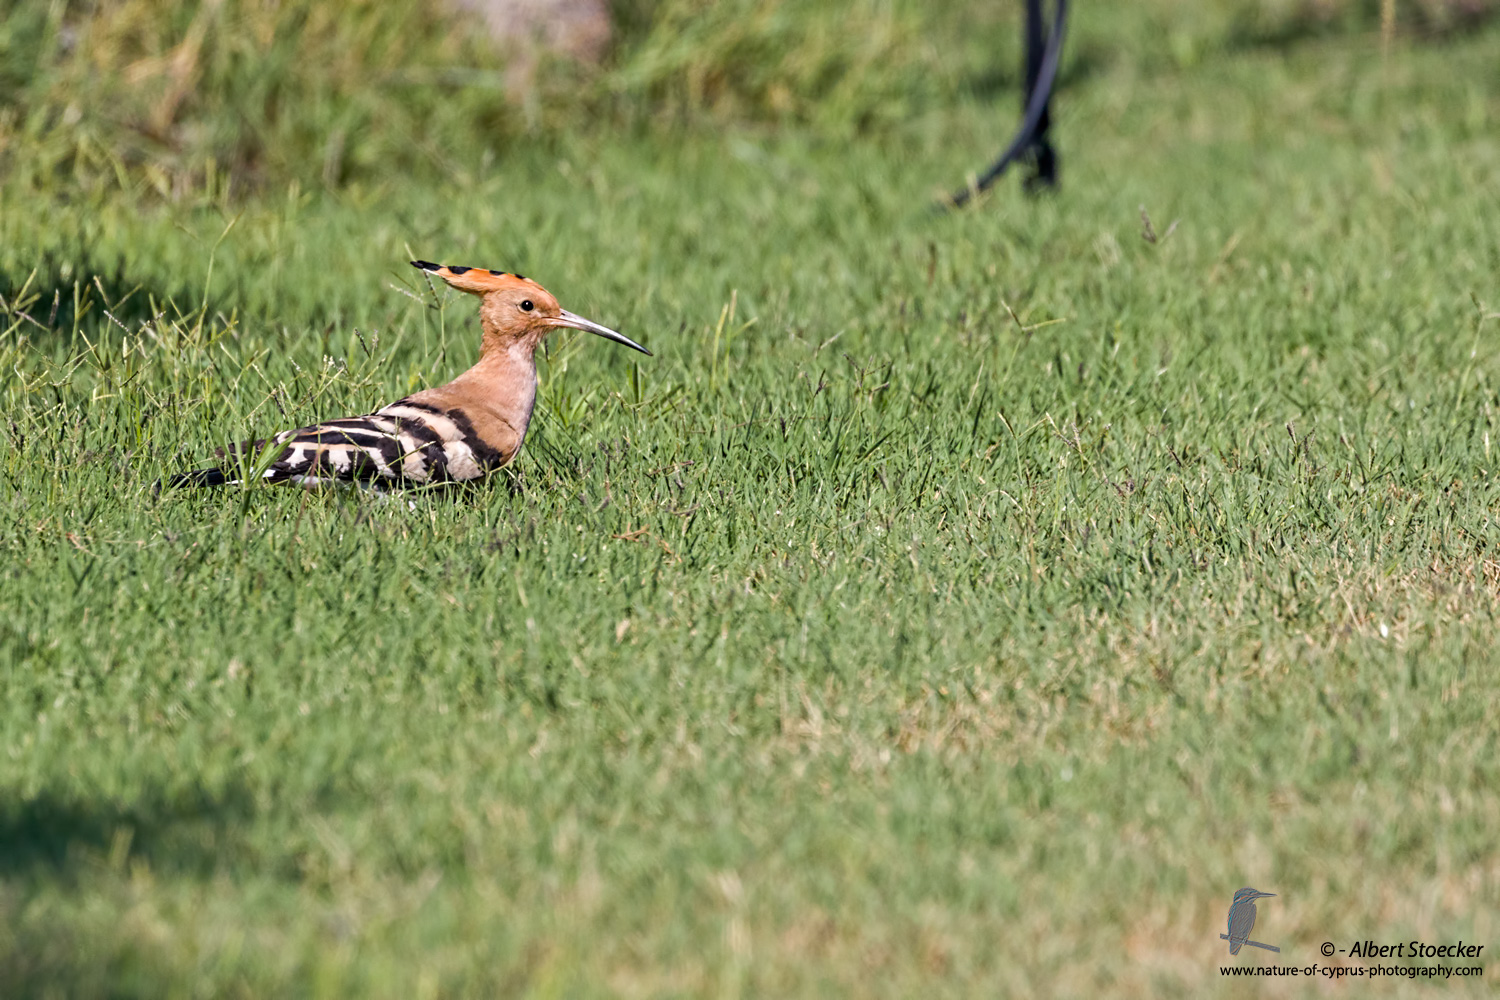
(1242, 921)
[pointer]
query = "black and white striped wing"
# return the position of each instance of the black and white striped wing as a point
(404, 444)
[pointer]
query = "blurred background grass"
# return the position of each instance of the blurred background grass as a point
(113, 108)
(957, 648)
(231, 97)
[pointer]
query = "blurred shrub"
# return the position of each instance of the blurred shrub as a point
(172, 95)
(178, 96)
(1283, 20)
(845, 66)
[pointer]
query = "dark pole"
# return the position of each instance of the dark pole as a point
(1040, 154)
(1043, 52)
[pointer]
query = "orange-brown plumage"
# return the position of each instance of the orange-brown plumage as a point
(459, 431)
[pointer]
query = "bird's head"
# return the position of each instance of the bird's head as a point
(1249, 895)
(515, 309)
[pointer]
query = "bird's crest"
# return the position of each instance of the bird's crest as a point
(477, 280)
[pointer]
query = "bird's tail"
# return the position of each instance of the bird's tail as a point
(217, 475)
(1235, 946)
(198, 477)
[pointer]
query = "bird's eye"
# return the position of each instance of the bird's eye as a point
(527, 305)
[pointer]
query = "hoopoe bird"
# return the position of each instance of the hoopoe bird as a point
(456, 432)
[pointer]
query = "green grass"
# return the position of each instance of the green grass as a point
(954, 604)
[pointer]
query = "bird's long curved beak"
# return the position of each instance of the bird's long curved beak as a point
(577, 322)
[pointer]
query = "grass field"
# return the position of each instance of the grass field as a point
(955, 604)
